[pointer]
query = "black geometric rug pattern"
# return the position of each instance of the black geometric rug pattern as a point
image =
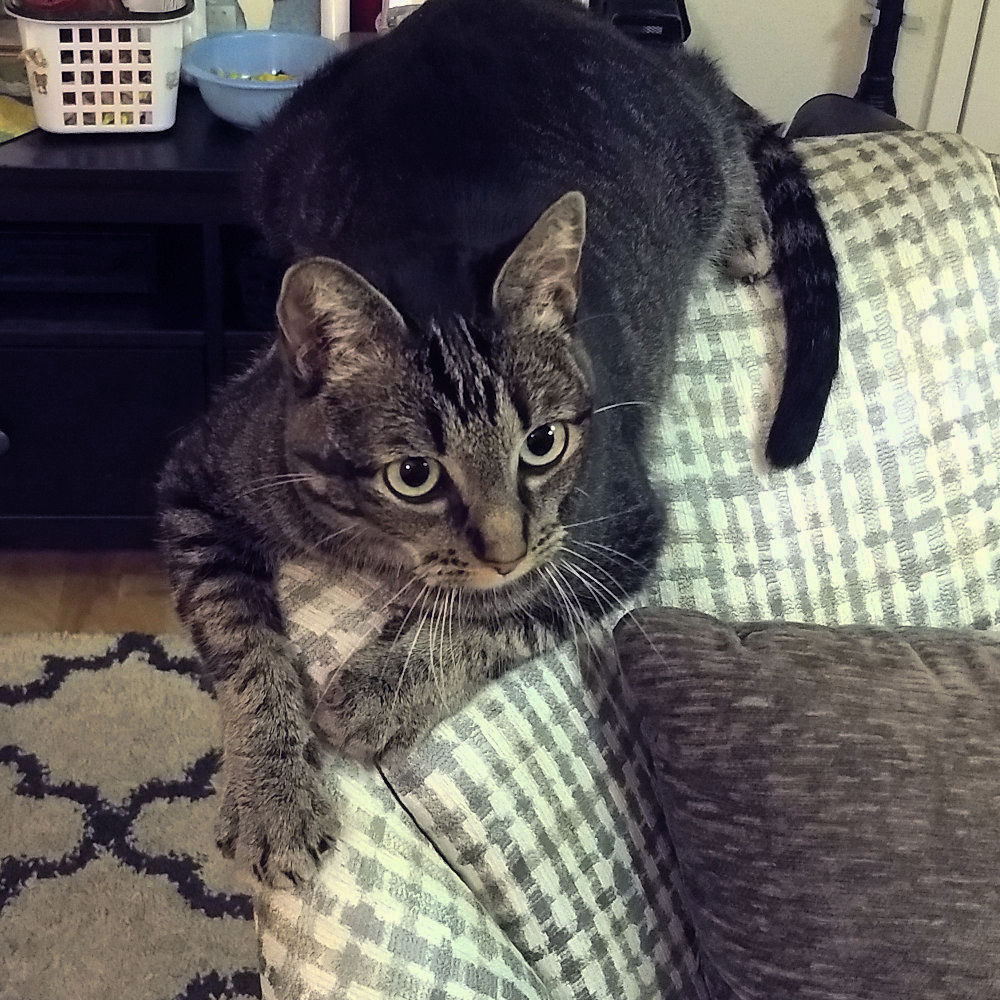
(110, 881)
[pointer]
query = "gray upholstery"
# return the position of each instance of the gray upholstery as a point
(833, 796)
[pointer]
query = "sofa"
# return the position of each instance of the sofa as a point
(777, 773)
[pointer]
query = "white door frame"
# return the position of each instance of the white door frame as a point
(980, 116)
(952, 80)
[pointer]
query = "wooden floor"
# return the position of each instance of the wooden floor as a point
(84, 592)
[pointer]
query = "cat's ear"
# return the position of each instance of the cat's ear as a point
(540, 282)
(333, 322)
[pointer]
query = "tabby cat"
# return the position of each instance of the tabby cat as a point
(493, 218)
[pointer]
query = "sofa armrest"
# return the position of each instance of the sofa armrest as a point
(835, 114)
(895, 517)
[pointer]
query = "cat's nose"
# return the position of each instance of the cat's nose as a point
(497, 538)
(504, 566)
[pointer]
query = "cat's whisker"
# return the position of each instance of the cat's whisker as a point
(552, 601)
(598, 598)
(274, 483)
(444, 645)
(583, 618)
(385, 607)
(454, 597)
(556, 601)
(619, 558)
(605, 517)
(604, 605)
(602, 569)
(273, 477)
(614, 406)
(594, 585)
(652, 645)
(331, 536)
(455, 601)
(451, 620)
(434, 595)
(576, 324)
(611, 551)
(409, 611)
(562, 602)
(376, 617)
(413, 646)
(627, 613)
(446, 658)
(437, 627)
(575, 619)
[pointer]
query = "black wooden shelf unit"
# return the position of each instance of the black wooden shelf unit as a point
(130, 286)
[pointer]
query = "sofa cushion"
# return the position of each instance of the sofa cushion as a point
(833, 796)
(895, 517)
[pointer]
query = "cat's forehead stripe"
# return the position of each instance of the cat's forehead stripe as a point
(460, 371)
(435, 425)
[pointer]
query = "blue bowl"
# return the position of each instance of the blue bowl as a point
(244, 102)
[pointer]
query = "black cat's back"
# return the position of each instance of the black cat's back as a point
(437, 146)
(421, 159)
(461, 126)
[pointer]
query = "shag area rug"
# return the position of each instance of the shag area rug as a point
(111, 885)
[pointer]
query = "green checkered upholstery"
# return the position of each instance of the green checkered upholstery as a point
(518, 851)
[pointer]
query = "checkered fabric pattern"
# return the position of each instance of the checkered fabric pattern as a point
(895, 519)
(518, 851)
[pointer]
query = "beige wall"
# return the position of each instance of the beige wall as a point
(779, 53)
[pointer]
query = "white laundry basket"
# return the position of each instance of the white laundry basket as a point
(113, 75)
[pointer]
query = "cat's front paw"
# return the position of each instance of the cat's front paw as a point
(369, 708)
(276, 820)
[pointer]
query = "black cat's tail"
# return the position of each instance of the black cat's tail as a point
(806, 273)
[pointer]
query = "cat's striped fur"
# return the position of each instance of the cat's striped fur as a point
(528, 196)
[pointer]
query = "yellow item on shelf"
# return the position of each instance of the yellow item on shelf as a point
(16, 118)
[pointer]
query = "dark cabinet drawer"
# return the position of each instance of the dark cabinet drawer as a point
(89, 427)
(52, 259)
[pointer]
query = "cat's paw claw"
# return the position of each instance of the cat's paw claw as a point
(280, 839)
(291, 868)
(751, 264)
(227, 827)
(226, 846)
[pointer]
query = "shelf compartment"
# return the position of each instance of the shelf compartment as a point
(89, 427)
(55, 278)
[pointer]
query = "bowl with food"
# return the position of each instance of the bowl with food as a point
(245, 76)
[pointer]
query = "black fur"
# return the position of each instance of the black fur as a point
(806, 272)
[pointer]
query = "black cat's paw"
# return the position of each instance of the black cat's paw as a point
(277, 822)
(750, 258)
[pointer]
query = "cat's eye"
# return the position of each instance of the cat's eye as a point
(412, 478)
(544, 446)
